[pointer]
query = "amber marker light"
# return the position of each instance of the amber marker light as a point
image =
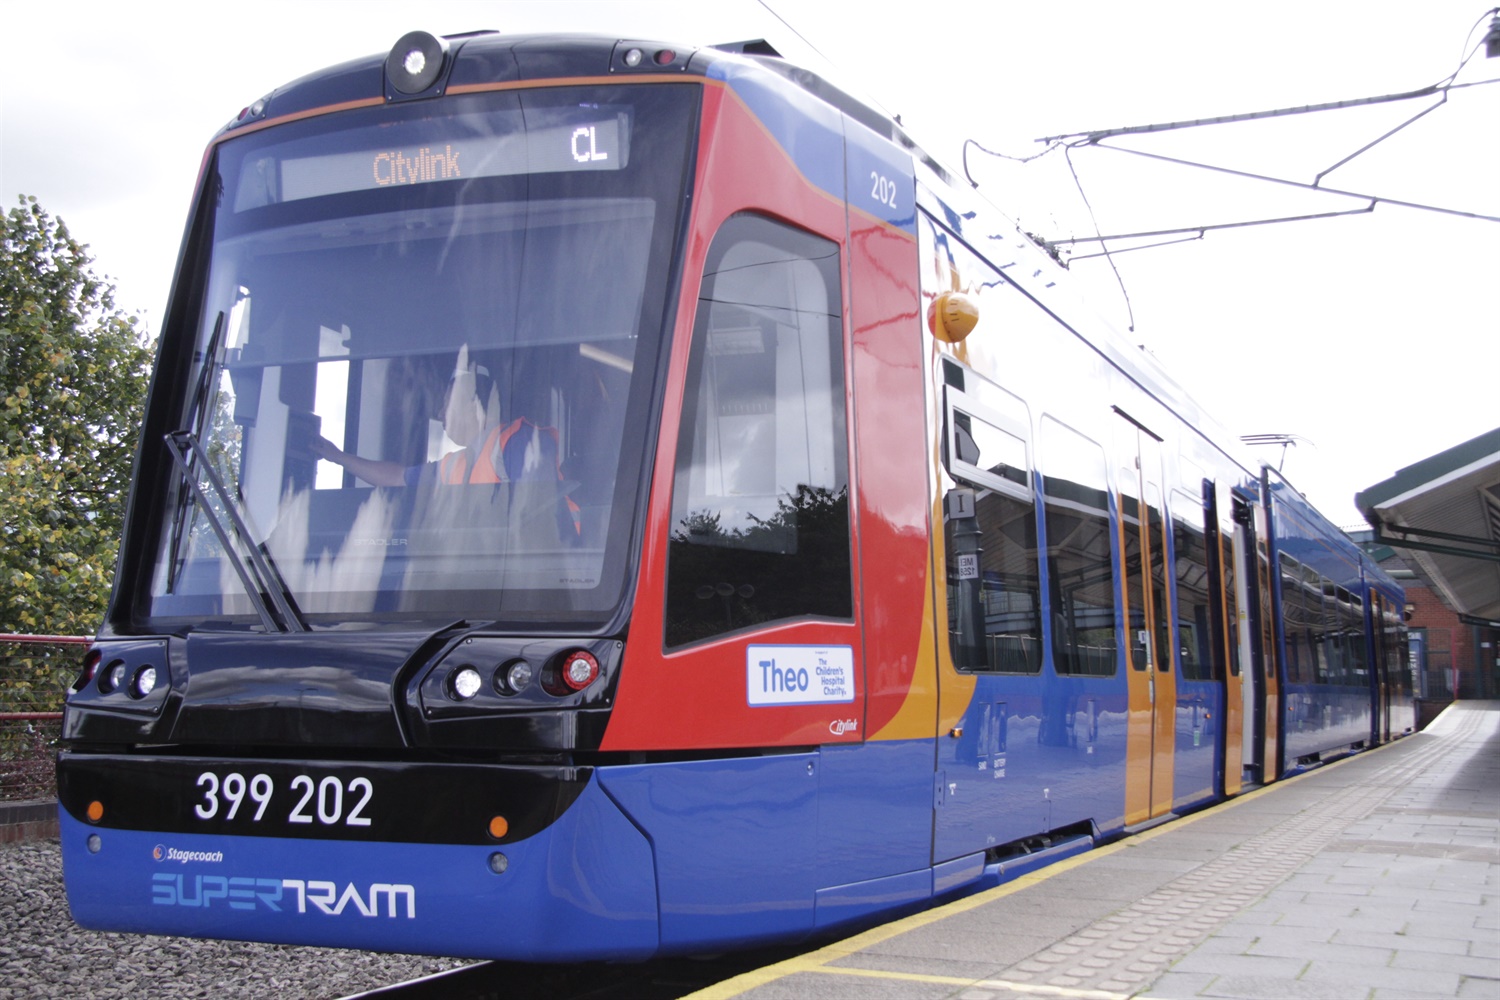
(499, 827)
(95, 811)
(952, 317)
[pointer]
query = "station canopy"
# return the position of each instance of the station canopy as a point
(1444, 513)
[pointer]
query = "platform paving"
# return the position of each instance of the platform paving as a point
(1374, 878)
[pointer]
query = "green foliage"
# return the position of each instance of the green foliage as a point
(73, 377)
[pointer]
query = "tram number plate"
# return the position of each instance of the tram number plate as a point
(330, 800)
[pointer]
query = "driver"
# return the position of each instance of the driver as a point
(491, 452)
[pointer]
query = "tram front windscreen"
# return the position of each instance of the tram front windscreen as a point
(427, 338)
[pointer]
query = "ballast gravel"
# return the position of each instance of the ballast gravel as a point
(44, 954)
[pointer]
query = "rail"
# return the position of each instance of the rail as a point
(35, 671)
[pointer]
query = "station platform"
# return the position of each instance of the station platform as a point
(1374, 877)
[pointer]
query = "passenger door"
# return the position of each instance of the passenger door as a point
(1228, 545)
(1146, 602)
(993, 629)
(1263, 745)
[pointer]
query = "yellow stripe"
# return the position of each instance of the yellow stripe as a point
(1039, 989)
(818, 961)
(906, 977)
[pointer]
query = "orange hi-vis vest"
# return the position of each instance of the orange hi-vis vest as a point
(456, 469)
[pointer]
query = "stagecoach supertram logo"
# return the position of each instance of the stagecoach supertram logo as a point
(279, 895)
(284, 895)
(163, 853)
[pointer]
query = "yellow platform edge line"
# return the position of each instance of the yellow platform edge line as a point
(1040, 989)
(816, 961)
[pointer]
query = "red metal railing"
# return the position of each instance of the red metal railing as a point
(35, 671)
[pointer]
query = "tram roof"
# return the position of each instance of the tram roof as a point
(1444, 512)
(492, 56)
(495, 56)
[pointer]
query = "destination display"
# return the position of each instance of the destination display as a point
(496, 145)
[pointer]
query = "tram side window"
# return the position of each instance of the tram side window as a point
(1345, 611)
(1190, 556)
(760, 503)
(1080, 587)
(1394, 661)
(1307, 635)
(994, 587)
(1339, 641)
(1332, 640)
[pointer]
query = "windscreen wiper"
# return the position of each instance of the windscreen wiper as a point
(256, 569)
(196, 417)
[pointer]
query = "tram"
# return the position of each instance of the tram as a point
(599, 499)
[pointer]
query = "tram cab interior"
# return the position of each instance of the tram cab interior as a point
(363, 338)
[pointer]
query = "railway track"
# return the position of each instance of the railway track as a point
(660, 979)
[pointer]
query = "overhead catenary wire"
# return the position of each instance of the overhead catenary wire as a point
(1095, 138)
(1075, 140)
(1440, 90)
(1201, 230)
(1441, 87)
(1129, 310)
(1251, 175)
(1095, 135)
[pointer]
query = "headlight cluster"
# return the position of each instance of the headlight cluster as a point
(117, 676)
(509, 678)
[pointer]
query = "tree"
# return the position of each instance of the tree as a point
(73, 376)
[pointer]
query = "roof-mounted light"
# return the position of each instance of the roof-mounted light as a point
(416, 62)
(647, 56)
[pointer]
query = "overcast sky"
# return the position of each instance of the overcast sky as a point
(1374, 337)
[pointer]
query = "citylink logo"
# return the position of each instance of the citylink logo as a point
(163, 853)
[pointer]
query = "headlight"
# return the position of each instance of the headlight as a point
(465, 683)
(113, 677)
(514, 677)
(144, 683)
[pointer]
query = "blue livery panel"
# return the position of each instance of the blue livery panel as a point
(584, 888)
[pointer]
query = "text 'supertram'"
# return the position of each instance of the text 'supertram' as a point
(599, 500)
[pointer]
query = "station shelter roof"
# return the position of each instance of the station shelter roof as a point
(1444, 512)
